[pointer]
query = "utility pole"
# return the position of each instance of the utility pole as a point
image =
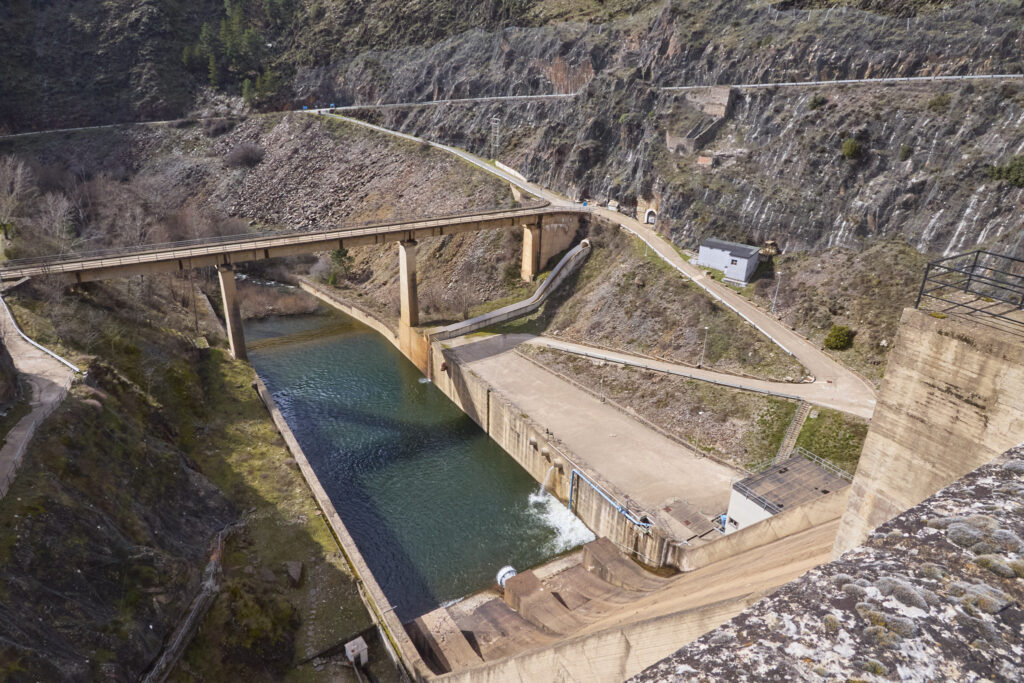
(495, 135)
(778, 281)
(703, 348)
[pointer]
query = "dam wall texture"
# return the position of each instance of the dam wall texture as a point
(528, 443)
(952, 400)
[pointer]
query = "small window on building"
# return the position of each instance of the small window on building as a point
(732, 262)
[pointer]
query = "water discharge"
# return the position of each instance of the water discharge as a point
(435, 506)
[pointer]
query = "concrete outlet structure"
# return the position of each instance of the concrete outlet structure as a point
(550, 235)
(410, 307)
(232, 315)
(950, 402)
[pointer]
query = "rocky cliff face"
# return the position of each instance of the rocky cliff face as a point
(778, 173)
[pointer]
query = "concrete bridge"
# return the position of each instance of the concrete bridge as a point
(547, 230)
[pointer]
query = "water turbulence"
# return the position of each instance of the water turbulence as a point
(435, 506)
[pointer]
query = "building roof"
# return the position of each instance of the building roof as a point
(932, 594)
(788, 483)
(734, 248)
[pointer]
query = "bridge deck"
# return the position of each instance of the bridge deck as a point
(240, 248)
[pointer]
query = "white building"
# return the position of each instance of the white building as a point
(786, 484)
(737, 261)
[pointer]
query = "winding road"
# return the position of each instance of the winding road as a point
(834, 386)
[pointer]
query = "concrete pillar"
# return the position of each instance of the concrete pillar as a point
(531, 252)
(407, 283)
(232, 316)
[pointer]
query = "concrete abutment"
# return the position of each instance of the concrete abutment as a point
(547, 238)
(232, 314)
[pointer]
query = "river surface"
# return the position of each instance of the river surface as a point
(435, 506)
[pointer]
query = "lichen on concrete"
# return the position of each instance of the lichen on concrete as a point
(917, 601)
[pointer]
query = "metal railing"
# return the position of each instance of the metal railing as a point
(825, 464)
(978, 281)
(761, 501)
(619, 507)
(565, 267)
(256, 240)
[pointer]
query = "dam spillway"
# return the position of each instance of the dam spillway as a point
(434, 505)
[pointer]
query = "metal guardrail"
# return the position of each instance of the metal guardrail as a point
(847, 81)
(976, 281)
(825, 464)
(245, 238)
(761, 501)
(566, 266)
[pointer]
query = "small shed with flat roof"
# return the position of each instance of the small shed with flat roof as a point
(737, 261)
(783, 485)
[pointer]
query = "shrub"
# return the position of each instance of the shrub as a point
(940, 102)
(215, 127)
(840, 337)
(851, 149)
(1012, 172)
(905, 152)
(245, 154)
(818, 100)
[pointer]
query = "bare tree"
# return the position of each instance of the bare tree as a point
(16, 188)
(56, 219)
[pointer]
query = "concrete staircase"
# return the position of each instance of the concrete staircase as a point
(789, 441)
(538, 607)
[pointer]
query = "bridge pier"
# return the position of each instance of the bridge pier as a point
(232, 315)
(532, 235)
(410, 307)
(548, 237)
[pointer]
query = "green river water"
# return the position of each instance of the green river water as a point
(435, 506)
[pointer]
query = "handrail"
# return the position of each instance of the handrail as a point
(621, 509)
(562, 270)
(227, 239)
(831, 467)
(33, 343)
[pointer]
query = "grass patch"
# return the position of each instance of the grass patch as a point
(834, 436)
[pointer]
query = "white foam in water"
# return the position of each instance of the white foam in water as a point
(424, 380)
(570, 531)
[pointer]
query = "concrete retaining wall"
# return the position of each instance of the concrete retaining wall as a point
(802, 518)
(612, 655)
(950, 402)
(527, 443)
(568, 265)
(392, 633)
(329, 297)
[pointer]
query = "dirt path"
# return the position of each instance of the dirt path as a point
(49, 381)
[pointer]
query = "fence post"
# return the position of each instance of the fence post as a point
(924, 281)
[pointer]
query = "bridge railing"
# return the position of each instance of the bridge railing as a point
(13, 264)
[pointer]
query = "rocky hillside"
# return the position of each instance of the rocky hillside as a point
(139, 185)
(166, 443)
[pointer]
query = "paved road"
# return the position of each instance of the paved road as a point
(254, 246)
(818, 393)
(837, 384)
(627, 457)
(849, 81)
